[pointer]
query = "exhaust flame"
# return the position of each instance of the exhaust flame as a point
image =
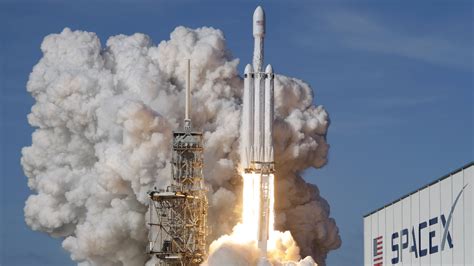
(243, 242)
(250, 194)
(251, 210)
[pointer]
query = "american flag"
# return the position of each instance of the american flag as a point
(378, 251)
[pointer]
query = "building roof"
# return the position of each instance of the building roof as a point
(432, 183)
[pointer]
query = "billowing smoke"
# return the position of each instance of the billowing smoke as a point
(104, 117)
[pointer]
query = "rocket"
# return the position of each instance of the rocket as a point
(256, 147)
(258, 105)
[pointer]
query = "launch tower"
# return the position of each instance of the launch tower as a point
(178, 225)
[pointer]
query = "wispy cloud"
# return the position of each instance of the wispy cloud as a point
(362, 124)
(378, 113)
(362, 32)
(398, 102)
(367, 34)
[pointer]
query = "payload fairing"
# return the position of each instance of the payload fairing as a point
(256, 152)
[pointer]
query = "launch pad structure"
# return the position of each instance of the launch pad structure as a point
(178, 214)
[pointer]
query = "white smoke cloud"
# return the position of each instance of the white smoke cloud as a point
(104, 117)
(236, 249)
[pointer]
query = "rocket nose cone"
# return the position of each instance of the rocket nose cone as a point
(258, 22)
(269, 69)
(258, 14)
(248, 69)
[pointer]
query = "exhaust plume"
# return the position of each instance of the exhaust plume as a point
(103, 119)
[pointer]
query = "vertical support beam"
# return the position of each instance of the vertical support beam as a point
(187, 119)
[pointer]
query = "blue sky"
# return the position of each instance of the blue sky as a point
(396, 78)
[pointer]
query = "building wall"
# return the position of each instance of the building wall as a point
(400, 233)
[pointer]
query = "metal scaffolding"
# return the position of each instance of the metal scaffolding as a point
(178, 225)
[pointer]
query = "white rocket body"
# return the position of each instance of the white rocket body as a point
(258, 34)
(256, 151)
(269, 115)
(258, 103)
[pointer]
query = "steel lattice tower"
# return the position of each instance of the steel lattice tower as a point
(178, 215)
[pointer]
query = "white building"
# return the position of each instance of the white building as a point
(433, 225)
